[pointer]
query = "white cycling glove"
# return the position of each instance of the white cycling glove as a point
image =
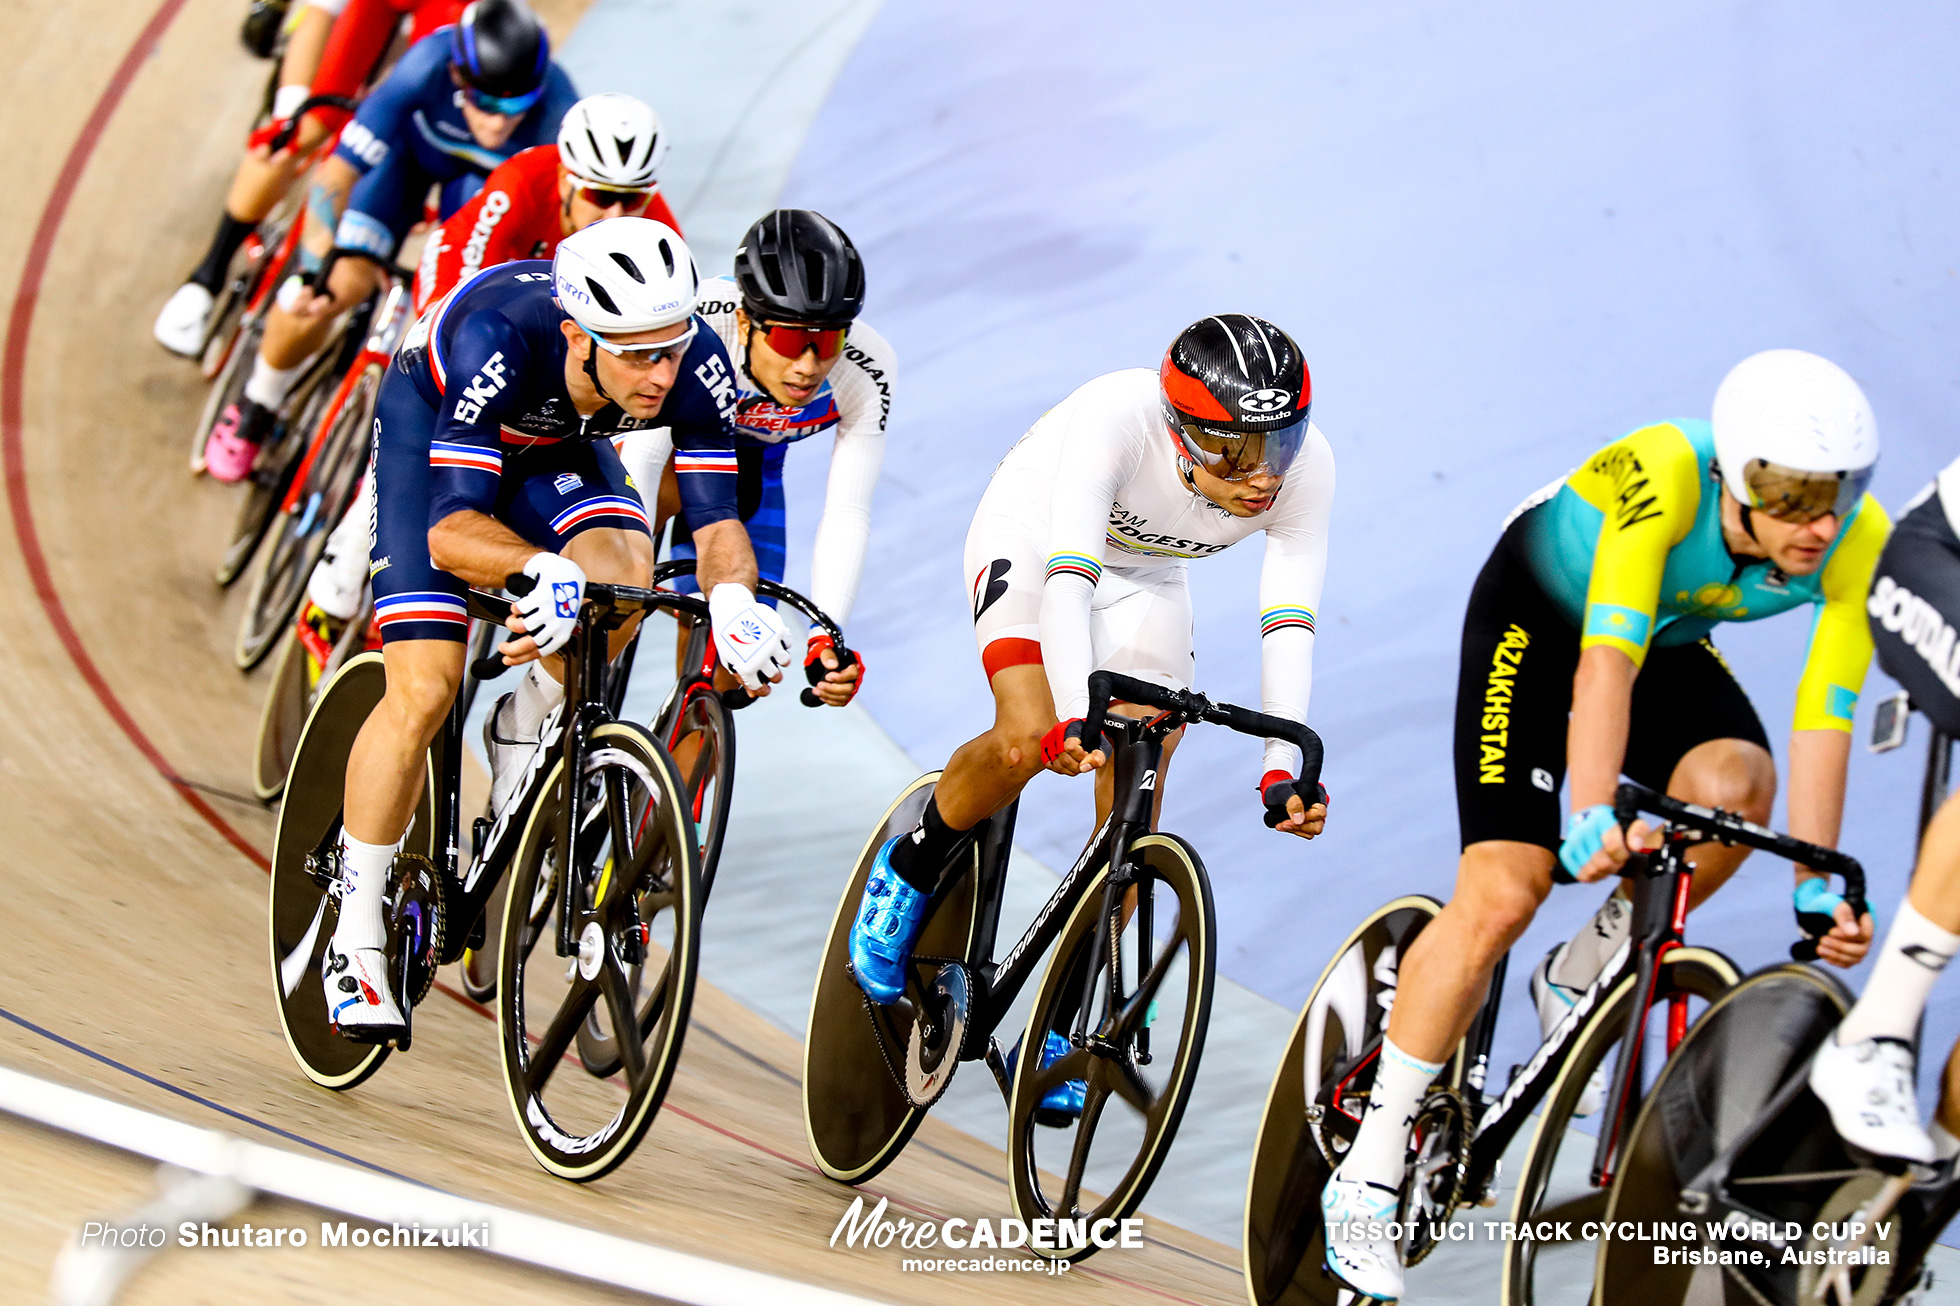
(550, 610)
(749, 636)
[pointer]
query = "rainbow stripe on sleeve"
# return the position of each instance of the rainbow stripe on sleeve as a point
(1074, 564)
(1285, 617)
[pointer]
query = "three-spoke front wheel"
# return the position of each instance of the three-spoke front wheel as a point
(634, 909)
(1141, 1029)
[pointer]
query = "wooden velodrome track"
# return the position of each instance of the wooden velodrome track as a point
(132, 886)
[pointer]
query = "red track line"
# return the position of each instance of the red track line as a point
(13, 369)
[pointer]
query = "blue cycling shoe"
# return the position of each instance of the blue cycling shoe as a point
(1062, 1104)
(888, 922)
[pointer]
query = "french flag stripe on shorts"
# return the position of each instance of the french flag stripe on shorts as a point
(611, 505)
(466, 457)
(704, 461)
(421, 605)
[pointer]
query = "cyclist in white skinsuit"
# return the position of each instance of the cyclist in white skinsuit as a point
(1076, 558)
(1076, 561)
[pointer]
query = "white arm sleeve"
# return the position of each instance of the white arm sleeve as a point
(862, 385)
(1289, 594)
(645, 453)
(1100, 454)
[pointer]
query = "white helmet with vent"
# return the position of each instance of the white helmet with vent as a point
(612, 140)
(621, 275)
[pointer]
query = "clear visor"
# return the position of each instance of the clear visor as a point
(1794, 496)
(1237, 455)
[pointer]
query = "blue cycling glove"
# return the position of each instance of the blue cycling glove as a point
(1582, 840)
(1816, 905)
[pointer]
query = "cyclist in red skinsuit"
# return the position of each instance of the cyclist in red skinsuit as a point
(530, 203)
(335, 48)
(361, 36)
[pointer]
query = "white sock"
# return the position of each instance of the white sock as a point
(536, 695)
(1380, 1150)
(269, 385)
(365, 868)
(1594, 945)
(1945, 1145)
(1915, 952)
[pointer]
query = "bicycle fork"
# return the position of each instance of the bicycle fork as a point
(1660, 911)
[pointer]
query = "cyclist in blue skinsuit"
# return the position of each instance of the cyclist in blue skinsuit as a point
(492, 455)
(461, 101)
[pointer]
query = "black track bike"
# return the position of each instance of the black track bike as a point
(602, 909)
(1732, 1134)
(1635, 1013)
(1129, 988)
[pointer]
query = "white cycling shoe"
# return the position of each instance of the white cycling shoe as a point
(186, 315)
(1553, 1001)
(1370, 1266)
(1869, 1089)
(359, 1004)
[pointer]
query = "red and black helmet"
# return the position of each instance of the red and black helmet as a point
(1236, 395)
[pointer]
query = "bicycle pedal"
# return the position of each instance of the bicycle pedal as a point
(997, 1062)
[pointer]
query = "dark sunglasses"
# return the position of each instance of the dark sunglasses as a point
(602, 197)
(791, 341)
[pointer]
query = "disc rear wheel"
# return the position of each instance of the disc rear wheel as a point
(856, 1110)
(1315, 1105)
(303, 913)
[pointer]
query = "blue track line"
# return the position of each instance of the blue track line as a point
(221, 1109)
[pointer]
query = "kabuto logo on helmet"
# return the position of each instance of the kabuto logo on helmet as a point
(1266, 401)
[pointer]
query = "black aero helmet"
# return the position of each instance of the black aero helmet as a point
(796, 265)
(501, 51)
(1236, 395)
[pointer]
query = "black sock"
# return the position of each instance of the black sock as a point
(920, 856)
(217, 260)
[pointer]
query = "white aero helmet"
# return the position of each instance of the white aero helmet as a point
(1795, 435)
(621, 275)
(612, 140)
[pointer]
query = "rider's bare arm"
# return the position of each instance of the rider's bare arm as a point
(725, 555)
(479, 548)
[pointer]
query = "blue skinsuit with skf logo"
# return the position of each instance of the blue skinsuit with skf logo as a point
(409, 134)
(474, 416)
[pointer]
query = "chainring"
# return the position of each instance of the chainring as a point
(931, 1060)
(418, 921)
(1439, 1165)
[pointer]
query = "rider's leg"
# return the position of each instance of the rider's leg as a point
(1866, 1072)
(385, 774)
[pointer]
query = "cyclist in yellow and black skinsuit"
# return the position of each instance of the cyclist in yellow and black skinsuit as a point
(1586, 642)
